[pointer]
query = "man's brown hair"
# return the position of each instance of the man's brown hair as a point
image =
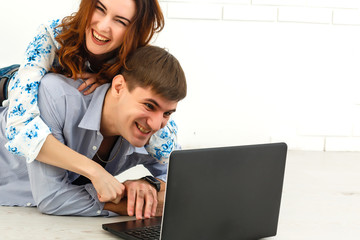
(154, 67)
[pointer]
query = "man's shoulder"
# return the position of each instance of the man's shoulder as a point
(59, 85)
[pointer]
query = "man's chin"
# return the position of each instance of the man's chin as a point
(139, 143)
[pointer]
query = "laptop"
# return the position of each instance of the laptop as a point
(217, 193)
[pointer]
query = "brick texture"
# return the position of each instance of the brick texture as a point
(337, 12)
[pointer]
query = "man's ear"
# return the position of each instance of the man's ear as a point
(118, 84)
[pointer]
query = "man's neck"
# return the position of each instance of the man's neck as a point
(105, 148)
(106, 121)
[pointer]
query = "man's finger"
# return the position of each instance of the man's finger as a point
(149, 204)
(131, 195)
(154, 206)
(139, 204)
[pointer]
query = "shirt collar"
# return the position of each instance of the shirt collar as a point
(92, 117)
(132, 149)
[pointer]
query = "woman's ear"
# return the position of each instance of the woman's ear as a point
(118, 84)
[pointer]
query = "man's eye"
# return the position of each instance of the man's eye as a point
(167, 114)
(149, 106)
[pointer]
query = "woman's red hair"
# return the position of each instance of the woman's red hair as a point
(147, 21)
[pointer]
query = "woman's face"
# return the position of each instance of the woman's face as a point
(108, 25)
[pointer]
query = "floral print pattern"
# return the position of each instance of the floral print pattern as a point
(164, 142)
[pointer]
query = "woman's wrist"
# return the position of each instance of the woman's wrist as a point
(91, 169)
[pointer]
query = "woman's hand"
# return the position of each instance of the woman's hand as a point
(89, 80)
(55, 153)
(109, 189)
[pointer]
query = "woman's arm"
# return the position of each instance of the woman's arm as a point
(54, 194)
(23, 115)
(163, 142)
(55, 153)
(29, 136)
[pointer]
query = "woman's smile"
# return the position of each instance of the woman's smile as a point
(99, 38)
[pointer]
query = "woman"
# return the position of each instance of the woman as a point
(92, 44)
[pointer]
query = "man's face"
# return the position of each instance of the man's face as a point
(141, 113)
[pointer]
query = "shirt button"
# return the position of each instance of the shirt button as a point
(94, 148)
(98, 212)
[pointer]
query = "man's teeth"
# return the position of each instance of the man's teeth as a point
(143, 130)
(99, 38)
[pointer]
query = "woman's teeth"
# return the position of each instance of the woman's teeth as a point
(99, 38)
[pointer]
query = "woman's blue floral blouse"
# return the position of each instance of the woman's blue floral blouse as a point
(25, 130)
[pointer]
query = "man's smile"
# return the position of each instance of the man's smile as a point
(142, 129)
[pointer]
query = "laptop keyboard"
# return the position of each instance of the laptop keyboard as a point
(145, 233)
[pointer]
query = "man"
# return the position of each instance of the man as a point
(110, 126)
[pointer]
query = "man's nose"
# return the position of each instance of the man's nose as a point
(156, 122)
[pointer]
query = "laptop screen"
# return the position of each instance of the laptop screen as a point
(220, 193)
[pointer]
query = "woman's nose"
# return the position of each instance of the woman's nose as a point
(104, 24)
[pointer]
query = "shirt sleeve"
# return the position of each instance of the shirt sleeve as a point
(157, 169)
(54, 194)
(25, 130)
(163, 142)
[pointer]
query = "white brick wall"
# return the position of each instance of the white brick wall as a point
(309, 43)
(342, 144)
(346, 17)
(334, 3)
(280, 2)
(194, 11)
(250, 13)
(305, 15)
(301, 11)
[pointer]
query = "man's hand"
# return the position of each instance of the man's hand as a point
(122, 207)
(142, 198)
(109, 189)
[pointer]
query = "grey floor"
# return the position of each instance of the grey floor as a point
(321, 200)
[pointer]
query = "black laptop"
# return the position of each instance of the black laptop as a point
(217, 193)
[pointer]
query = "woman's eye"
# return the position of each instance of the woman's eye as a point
(121, 22)
(100, 9)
